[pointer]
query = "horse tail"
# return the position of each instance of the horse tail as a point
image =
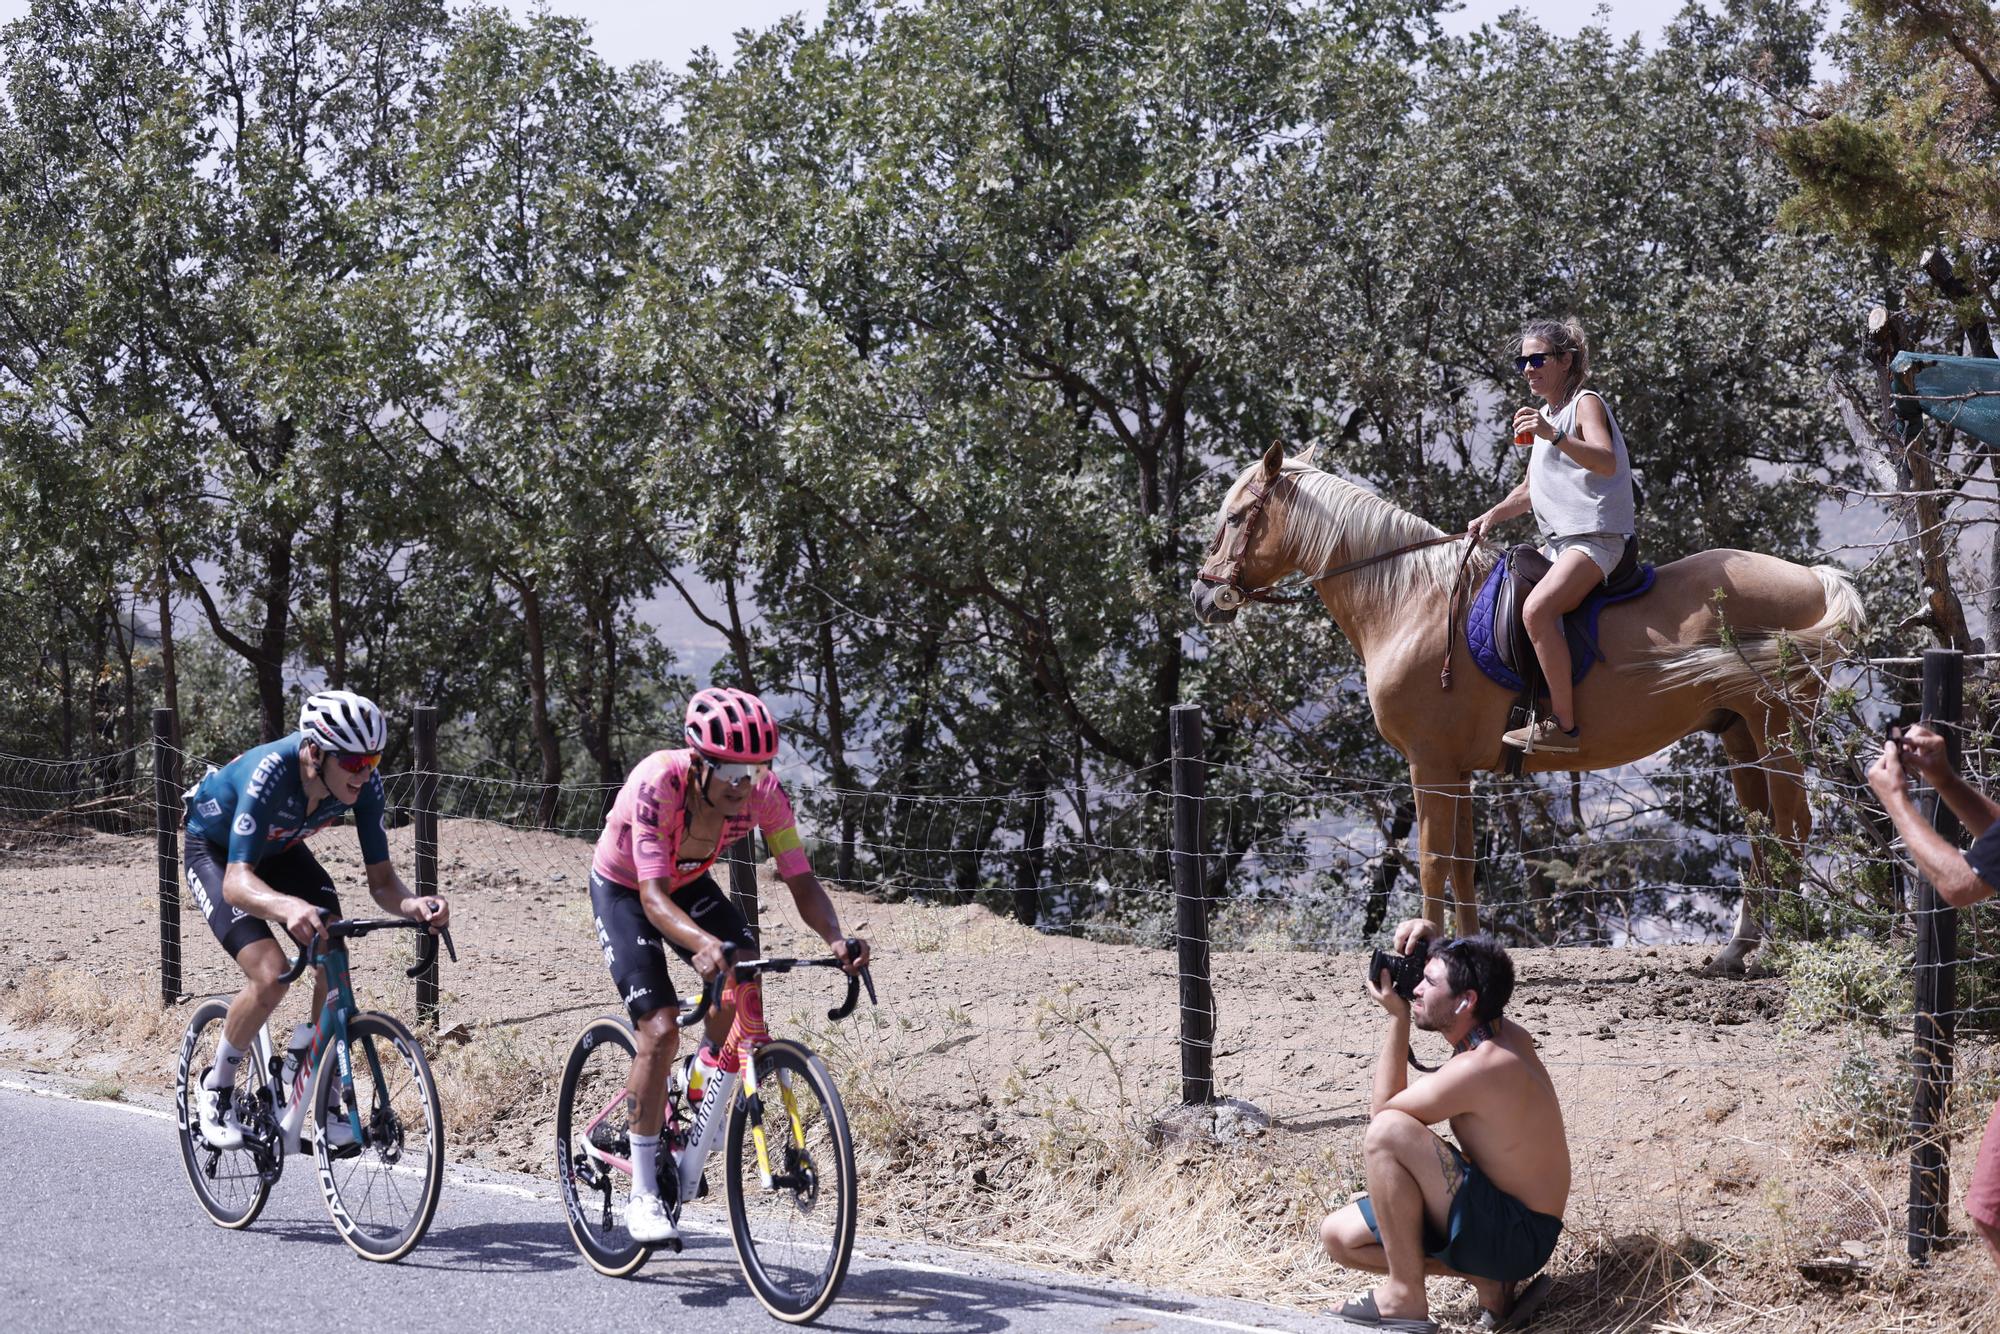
(1773, 659)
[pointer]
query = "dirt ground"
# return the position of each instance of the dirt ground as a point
(1008, 1093)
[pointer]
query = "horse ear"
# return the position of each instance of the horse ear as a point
(1274, 460)
(1310, 451)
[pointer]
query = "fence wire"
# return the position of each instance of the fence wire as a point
(1025, 945)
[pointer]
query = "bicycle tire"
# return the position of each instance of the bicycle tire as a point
(778, 1230)
(230, 1184)
(375, 1212)
(600, 1060)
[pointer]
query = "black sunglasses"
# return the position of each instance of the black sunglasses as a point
(1535, 359)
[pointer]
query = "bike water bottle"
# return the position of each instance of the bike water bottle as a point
(296, 1050)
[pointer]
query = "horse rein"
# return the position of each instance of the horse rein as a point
(1230, 594)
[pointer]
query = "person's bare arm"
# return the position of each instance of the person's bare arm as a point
(1937, 860)
(1923, 751)
(1517, 503)
(674, 923)
(819, 914)
(243, 888)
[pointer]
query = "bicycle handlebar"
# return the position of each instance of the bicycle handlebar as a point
(711, 993)
(749, 968)
(347, 928)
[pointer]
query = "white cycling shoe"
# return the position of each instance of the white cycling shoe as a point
(339, 1134)
(215, 1109)
(646, 1221)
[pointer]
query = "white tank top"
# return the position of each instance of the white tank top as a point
(1569, 499)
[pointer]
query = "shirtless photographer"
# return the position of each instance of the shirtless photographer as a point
(1488, 1211)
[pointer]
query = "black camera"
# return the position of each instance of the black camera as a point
(1405, 970)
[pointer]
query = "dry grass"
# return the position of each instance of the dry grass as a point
(121, 1015)
(499, 1092)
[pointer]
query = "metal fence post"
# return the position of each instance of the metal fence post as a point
(424, 732)
(1034, 852)
(743, 883)
(1936, 983)
(166, 850)
(1191, 910)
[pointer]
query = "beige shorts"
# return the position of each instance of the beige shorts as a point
(1604, 549)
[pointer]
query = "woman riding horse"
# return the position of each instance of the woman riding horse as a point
(1579, 484)
(1391, 581)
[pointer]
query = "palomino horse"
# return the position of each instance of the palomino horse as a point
(1388, 578)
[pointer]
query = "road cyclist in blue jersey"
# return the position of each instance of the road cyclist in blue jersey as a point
(245, 858)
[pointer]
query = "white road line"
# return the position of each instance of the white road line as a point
(1197, 1320)
(519, 1192)
(94, 1102)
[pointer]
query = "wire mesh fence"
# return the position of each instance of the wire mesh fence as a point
(1025, 944)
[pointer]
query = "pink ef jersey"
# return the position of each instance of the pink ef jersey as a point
(642, 835)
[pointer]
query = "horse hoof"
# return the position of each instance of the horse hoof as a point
(1729, 963)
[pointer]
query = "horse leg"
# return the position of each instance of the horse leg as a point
(1439, 851)
(1753, 795)
(1464, 868)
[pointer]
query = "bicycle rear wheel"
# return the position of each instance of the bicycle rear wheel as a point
(794, 1237)
(231, 1185)
(383, 1191)
(595, 1194)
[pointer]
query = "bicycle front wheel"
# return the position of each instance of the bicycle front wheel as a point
(231, 1185)
(795, 1236)
(383, 1190)
(593, 1113)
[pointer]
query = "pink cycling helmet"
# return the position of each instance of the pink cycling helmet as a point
(731, 726)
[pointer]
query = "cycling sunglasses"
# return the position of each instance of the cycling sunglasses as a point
(736, 775)
(358, 764)
(1535, 359)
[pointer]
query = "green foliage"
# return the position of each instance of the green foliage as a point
(1863, 1104)
(1848, 981)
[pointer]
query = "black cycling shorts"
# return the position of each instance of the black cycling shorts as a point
(294, 871)
(634, 949)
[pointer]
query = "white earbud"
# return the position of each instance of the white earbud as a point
(1461, 1007)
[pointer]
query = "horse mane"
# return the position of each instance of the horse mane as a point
(1336, 516)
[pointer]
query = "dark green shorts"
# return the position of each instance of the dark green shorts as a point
(1490, 1234)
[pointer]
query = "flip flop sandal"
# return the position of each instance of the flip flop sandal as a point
(1526, 1304)
(1363, 1311)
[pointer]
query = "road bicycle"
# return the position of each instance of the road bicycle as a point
(788, 1160)
(382, 1184)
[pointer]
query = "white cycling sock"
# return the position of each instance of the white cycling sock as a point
(227, 1058)
(645, 1164)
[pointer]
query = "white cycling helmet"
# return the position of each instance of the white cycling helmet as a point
(344, 722)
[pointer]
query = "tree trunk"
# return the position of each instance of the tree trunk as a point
(336, 675)
(170, 685)
(538, 697)
(739, 636)
(269, 660)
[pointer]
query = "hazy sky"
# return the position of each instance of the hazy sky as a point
(670, 30)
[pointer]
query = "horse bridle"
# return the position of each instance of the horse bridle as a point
(1230, 593)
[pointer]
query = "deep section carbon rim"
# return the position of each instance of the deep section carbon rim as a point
(382, 1192)
(795, 1237)
(595, 1195)
(229, 1183)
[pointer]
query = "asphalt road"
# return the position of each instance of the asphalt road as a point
(100, 1230)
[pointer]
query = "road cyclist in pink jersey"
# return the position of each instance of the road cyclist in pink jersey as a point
(651, 889)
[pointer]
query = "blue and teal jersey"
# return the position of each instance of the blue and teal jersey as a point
(256, 804)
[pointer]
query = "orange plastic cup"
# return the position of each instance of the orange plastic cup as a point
(1524, 438)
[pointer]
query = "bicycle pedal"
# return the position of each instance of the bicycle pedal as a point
(673, 1244)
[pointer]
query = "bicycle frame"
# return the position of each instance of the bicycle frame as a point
(289, 1104)
(747, 1033)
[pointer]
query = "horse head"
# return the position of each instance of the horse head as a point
(1249, 553)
